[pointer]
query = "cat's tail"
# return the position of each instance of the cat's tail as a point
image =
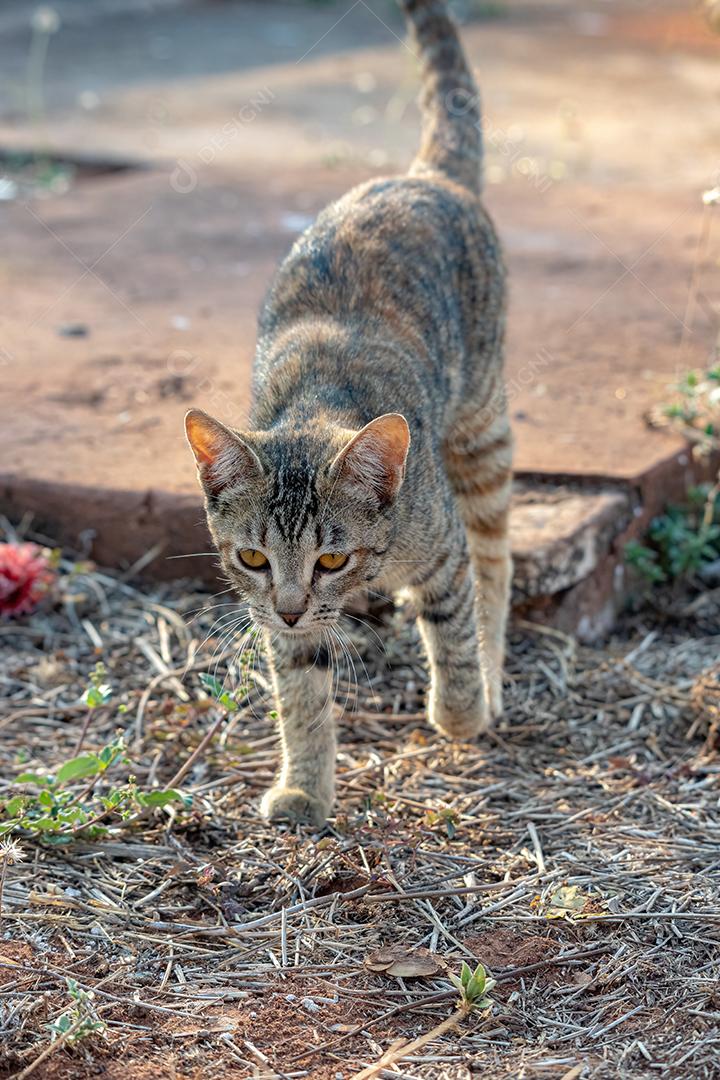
(451, 134)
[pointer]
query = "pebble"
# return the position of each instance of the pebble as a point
(73, 330)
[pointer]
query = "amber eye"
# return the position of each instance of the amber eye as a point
(332, 561)
(254, 559)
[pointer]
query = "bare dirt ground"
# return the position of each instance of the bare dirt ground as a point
(573, 851)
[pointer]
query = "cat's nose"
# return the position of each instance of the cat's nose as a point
(290, 617)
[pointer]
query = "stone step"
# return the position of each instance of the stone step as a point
(568, 559)
(563, 541)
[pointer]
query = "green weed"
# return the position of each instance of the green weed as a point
(695, 413)
(75, 799)
(80, 1020)
(686, 538)
(681, 541)
(446, 819)
(473, 986)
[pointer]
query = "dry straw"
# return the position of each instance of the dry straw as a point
(574, 851)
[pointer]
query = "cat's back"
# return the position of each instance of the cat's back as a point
(422, 246)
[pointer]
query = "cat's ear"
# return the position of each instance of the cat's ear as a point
(375, 457)
(223, 457)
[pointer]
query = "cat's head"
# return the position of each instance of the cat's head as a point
(302, 520)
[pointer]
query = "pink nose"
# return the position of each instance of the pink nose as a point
(290, 617)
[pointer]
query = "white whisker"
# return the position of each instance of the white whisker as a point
(351, 645)
(239, 627)
(216, 625)
(346, 654)
(368, 627)
(381, 595)
(193, 555)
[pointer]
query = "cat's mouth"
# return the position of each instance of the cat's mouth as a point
(274, 624)
(312, 626)
(292, 631)
(306, 624)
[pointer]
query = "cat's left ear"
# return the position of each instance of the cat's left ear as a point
(375, 457)
(223, 457)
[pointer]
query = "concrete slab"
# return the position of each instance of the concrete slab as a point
(167, 287)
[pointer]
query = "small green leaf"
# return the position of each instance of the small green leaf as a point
(95, 696)
(43, 824)
(110, 754)
(216, 689)
(62, 1024)
(476, 986)
(162, 798)
(93, 832)
(15, 806)
(673, 411)
(77, 768)
(33, 778)
(211, 684)
(116, 796)
(473, 986)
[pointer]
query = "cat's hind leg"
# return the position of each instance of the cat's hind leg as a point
(444, 596)
(478, 459)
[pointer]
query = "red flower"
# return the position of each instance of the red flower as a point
(25, 577)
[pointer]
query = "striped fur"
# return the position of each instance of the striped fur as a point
(451, 141)
(379, 430)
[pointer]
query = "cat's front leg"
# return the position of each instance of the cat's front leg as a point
(305, 788)
(458, 701)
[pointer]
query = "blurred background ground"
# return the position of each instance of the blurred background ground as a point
(131, 294)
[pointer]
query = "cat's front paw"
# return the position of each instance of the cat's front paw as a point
(294, 805)
(494, 691)
(459, 722)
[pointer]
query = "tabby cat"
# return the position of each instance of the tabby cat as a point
(379, 454)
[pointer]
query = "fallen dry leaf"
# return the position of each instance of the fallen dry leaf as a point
(413, 967)
(403, 963)
(566, 901)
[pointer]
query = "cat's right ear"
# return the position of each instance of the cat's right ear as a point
(223, 457)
